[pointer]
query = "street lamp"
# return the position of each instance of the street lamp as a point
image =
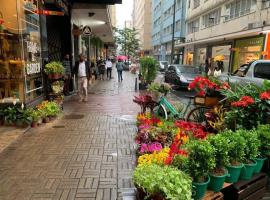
(173, 27)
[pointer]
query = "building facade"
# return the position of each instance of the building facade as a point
(163, 27)
(142, 22)
(233, 32)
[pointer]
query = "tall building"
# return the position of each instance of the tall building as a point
(162, 28)
(112, 12)
(142, 22)
(230, 31)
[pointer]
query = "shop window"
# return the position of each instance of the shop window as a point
(20, 63)
(262, 70)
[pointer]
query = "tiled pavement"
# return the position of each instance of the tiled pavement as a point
(87, 154)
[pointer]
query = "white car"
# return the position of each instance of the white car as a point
(254, 72)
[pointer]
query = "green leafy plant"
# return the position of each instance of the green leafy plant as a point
(57, 87)
(252, 144)
(24, 117)
(221, 147)
(52, 109)
(263, 132)
(201, 159)
(236, 147)
(10, 114)
(181, 162)
(170, 182)
(35, 114)
(159, 88)
(148, 69)
(54, 68)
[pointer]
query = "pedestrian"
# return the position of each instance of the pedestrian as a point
(82, 72)
(67, 78)
(101, 69)
(108, 66)
(119, 67)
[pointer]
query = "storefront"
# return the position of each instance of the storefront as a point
(247, 50)
(20, 56)
(189, 55)
(222, 55)
(200, 56)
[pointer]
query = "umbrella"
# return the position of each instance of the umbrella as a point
(122, 57)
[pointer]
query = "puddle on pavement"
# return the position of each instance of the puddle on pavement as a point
(127, 117)
(73, 116)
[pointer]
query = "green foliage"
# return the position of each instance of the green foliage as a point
(221, 147)
(168, 181)
(10, 114)
(52, 109)
(35, 114)
(236, 146)
(148, 69)
(126, 39)
(201, 159)
(158, 88)
(24, 116)
(96, 42)
(54, 67)
(181, 162)
(263, 132)
(252, 144)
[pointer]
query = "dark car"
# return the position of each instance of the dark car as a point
(181, 75)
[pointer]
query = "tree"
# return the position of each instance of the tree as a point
(127, 41)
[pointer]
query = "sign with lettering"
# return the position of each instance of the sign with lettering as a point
(87, 30)
(32, 68)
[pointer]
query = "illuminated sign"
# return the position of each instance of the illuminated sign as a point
(50, 12)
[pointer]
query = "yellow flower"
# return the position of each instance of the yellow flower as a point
(159, 124)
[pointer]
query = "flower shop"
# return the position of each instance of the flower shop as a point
(225, 156)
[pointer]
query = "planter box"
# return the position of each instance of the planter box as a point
(252, 189)
(206, 101)
(55, 76)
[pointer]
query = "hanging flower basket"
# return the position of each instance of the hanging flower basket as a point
(206, 101)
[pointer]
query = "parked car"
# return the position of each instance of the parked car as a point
(181, 75)
(253, 72)
(163, 65)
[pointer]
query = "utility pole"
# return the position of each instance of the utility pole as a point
(173, 28)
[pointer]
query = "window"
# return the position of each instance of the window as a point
(239, 8)
(196, 3)
(193, 26)
(178, 26)
(262, 70)
(178, 4)
(211, 19)
(171, 68)
(265, 4)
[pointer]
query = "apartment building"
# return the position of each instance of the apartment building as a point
(232, 31)
(142, 22)
(163, 28)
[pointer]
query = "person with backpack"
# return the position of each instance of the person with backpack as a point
(120, 67)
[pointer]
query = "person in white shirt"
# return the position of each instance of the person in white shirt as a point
(109, 69)
(82, 72)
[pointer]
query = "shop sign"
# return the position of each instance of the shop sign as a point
(87, 30)
(32, 68)
(258, 41)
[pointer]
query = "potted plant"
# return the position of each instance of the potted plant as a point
(148, 71)
(236, 153)
(219, 173)
(36, 116)
(54, 70)
(201, 161)
(263, 132)
(10, 116)
(157, 89)
(52, 109)
(24, 118)
(162, 182)
(251, 152)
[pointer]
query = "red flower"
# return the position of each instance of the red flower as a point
(265, 96)
(243, 102)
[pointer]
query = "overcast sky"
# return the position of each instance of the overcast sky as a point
(124, 12)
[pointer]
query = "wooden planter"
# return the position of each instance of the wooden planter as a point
(206, 101)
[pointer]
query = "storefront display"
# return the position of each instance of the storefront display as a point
(20, 58)
(200, 56)
(222, 54)
(247, 50)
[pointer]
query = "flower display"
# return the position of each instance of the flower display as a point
(156, 157)
(207, 87)
(265, 95)
(197, 130)
(243, 102)
(149, 148)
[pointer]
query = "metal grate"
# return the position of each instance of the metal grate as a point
(73, 116)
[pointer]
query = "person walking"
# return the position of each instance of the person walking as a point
(82, 72)
(108, 66)
(67, 66)
(101, 69)
(119, 67)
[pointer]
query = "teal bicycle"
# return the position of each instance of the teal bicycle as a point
(190, 112)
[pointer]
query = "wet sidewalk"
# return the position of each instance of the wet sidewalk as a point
(87, 154)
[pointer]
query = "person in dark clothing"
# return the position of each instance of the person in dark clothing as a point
(83, 74)
(67, 66)
(120, 67)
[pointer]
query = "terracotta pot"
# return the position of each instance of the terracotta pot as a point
(34, 124)
(46, 120)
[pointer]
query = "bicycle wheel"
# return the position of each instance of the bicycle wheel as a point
(160, 111)
(198, 115)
